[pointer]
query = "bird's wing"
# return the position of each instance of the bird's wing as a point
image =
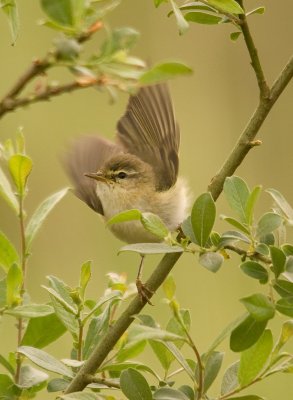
(148, 130)
(88, 154)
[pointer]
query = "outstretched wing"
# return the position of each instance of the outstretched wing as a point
(88, 154)
(148, 130)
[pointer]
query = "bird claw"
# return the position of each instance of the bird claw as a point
(143, 292)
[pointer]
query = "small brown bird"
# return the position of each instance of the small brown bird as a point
(138, 171)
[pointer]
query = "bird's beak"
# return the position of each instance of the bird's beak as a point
(98, 176)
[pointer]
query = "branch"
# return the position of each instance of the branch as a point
(246, 139)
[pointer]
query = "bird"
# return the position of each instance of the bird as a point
(139, 170)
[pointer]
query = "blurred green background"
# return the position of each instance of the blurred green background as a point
(212, 107)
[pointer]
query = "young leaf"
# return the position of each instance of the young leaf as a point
(20, 167)
(57, 385)
(167, 393)
(203, 18)
(134, 385)
(248, 397)
(211, 261)
(237, 194)
(254, 359)
(268, 223)
(246, 334)
(281, 202)
(258, 10)
(45, 360)
(278, 259)
(229, 6)
(285, 306)
(186, 227)
(8, 254)
(7, 193)
(129, 215)
(286, 334)
(230, 379)
(237, 224)
(31, 377)
(163, 354)
(61, 301)
(151, 248)
(40, 215)
(235, 35)
(164, 71)
(30, 310)
(85, 276)
(284, 288)
(11, 11)
(6, 364)
(96, 328)
(255, 270)
(64, 12)
(128, 352)
(259, 307)
(143, 332)
(181, 22)
(169, 287)
(203, 216)
(14, 281)
(212, 368)
(250, 204)
(42, 331)
(154, 224)
(179, 357)
(231, 237)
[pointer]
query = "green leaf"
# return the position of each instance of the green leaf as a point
(65, 12)
(57, 385)
(268, 223)
(179, 357)
(211, 261)
(251, 201)
(64, 301)
(151, 248)
(284, 288)
(159, 2)
(181, 22)
(163, 354)
(237, 194)
(85, 276)
(111, 297)
(255, 270)
(229, 6)
(254, 359)
(97, 327)
(31, 377)
(203, 18)
(230, 379)
(231, 237)
(246, 334)
(237, 224)
(11, 10)
(40, 215)
(259, 307)
(278, 260)
(3, 293)
(143, 332)
(118, 367)
(167, 393)
(203, 216)
(126, 353)
(45, 360)
(155, 225)
(164, 71)
(258, 10)
(128, 215)
(8, 390)
(7, 193)
(134, 385)
(6, 364)
(169, 287)
(235, 35)
(285, 306)
(186, 227)
(287, 249)
(212, 368)
(249, 397)
(20, 167)
(14, 281)
(42, 331)
(8, 254)
(281, 202)
(30, 310)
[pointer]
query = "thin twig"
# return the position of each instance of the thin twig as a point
(102, 381)
(255, 61)
(254, 256)
(246, 139)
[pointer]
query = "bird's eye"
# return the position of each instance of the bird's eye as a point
(122, 175)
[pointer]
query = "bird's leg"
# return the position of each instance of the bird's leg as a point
(143, 292)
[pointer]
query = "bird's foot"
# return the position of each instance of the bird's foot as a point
(143, 292)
